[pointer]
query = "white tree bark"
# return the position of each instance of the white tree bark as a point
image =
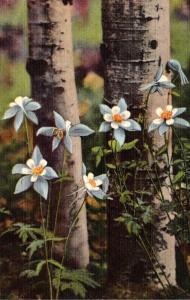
(50, 65)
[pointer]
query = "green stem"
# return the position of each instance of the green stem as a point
(66, 245)
(142, 244)
(27, 135)
(46, 252)
(58, 204)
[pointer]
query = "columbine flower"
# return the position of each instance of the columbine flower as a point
(37, 173)
(64, 131)
(160, 81)
(22, 106)
(118, 118)
(167, 118)
(92, 185)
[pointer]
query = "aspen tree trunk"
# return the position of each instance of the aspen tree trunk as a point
(50, 65)
(136, 37)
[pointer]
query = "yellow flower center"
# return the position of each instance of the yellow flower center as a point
(37, 170)
(117, 118)
(59, 133)
(92, 182)
(166, 115)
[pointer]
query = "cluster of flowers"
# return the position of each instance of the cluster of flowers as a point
(117, 118)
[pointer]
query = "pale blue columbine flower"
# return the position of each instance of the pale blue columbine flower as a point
(96, 186)
(22, 106)
(64, 131)
(36, 173)
(118, 119)
(160, 82)
(175, 66)
(167, 118)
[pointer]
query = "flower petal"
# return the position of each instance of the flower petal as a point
(43, 163)
(26, 171)
(17, 169)
(125, 124)
(115, 110)
(41, 187)
(105, 127)
(169, 108)
(104, 109)
(33, 105)
(170, 122)
(23, 184)
(159, 111)
(114, 125)
(178, 111)
(34, 178)
(50, 173)
(68, 143)
(108, 117)
(47, 131)
(99, 194)
(126, 114)
(153, 126)
(67, 126)
(90, 176)
(122, 104)
(80, 130)
(30, 163)
(59, 121)
(98, 182)
(32, 117)
(19, 100)
(158, 121)
(18, 120)
(119, 135)
(134, 126)
(37, 155)
(179, 122)
(163, 128)
(55, 143)
(11, 112)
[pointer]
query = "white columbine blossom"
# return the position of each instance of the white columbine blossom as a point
(91, 183)
(22, 106)
(36, 172)
(118, 119)
(167, 118)
(63, 131)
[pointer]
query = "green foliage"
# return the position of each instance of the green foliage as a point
(33, 273)
(74, 280)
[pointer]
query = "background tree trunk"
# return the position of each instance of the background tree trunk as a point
(50, 65)
(136, 37)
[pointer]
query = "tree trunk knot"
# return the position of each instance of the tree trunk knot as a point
(65, 2)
